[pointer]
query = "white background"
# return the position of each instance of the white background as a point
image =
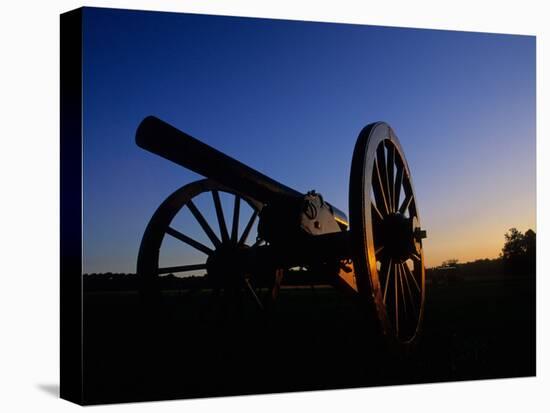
(29, 206)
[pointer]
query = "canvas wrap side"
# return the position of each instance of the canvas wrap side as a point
(71, 385)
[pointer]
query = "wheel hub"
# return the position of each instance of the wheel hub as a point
(398, 236)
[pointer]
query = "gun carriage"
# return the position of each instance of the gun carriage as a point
(377, 253)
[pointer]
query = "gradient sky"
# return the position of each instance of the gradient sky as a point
(289, 99)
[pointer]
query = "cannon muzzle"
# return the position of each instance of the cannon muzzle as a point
(157, 136)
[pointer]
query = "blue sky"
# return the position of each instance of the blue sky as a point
(289, 99)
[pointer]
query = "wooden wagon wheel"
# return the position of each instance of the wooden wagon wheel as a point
(222, 275)
(386, 236)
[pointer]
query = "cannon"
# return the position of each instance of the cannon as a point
(376, 254)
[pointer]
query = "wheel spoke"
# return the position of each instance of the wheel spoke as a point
(254, 295)
(378, 189)
(406, 203)
(398, 183)
(387, 279)
(377, 214)
(181, 268)
(389, 175)
(378, 250)
(409, 291)
(235, 225)
(402, 291)
(190, 241)
(396, 303)
(376, 229)
(202, 222)
(219, 214)
(383, 168)
(248, 227)
(410, 274)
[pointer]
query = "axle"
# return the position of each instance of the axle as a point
(314, 250)
(328, 254)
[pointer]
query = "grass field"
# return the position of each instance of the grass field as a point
(313, 339)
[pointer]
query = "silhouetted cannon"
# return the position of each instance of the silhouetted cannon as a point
(377, 254)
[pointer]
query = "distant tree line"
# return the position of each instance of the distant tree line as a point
(517, 258)
(130, 282)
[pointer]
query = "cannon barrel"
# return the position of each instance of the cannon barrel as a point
(157, 136)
